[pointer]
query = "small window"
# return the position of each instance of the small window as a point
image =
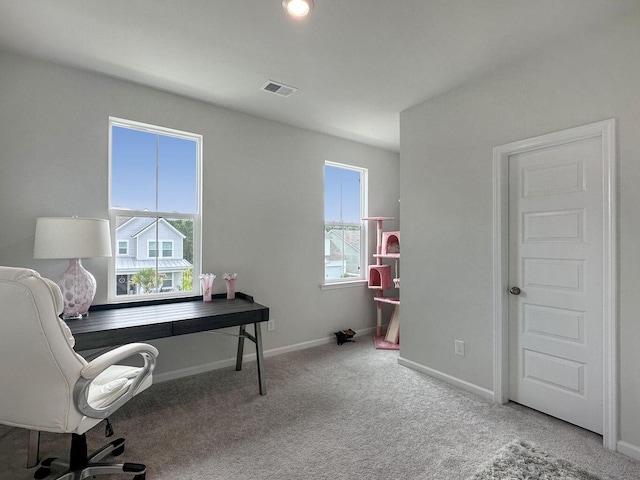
(166, 252)
(153, 249)
(154, 200)
(345, 194)
(167, 282)
(123, 247)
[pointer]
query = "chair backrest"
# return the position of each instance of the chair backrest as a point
(38, 366)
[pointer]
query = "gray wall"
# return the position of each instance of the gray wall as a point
(446, 185)
(263, 196)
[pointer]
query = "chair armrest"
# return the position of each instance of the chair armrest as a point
(100, 364)
(104, 361)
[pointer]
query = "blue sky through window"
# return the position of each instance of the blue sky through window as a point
(133, 171)
(341, 192)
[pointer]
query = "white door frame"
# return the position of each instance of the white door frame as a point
(607, 131)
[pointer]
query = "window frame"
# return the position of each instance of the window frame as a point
(126, 247)
(196, 218)
(168, 279)
(362, 279)
(155, 243)
(172, 247)
(161, 242)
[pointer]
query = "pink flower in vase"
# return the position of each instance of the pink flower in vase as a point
(230, 280)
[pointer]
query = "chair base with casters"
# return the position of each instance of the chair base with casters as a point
(82, 465)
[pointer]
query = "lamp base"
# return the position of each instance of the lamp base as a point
(78, 316)
(78, 288)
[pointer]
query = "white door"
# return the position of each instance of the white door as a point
(556, 260)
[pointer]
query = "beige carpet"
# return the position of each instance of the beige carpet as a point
(332, 412)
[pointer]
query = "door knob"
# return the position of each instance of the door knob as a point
(514, 291)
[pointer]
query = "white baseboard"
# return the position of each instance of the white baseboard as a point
(629, 450)
(624, 448)
(247, 357)
(464, 385)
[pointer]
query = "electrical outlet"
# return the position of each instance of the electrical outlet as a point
(459, 347)
(271, 325)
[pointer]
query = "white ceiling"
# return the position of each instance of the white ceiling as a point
(357, 63)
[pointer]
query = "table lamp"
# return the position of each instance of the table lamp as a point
(73, 238)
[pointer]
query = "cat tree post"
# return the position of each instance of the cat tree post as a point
(387, 246)
(379, 293)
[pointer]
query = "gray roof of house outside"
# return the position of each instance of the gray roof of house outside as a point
(351, 239)
(125, 265)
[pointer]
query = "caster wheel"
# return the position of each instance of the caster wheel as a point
(45, 469)
(42, 472)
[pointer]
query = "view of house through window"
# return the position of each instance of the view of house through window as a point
(155, 210)
(345, 193)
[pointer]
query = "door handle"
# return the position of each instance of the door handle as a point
(514, 291)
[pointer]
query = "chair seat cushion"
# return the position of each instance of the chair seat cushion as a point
(107, 387)
(111, 385)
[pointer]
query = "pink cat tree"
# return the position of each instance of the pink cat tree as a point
(387, 246)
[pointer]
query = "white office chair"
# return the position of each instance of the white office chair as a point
(47, 386)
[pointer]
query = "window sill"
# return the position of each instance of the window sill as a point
(166, 297)
(347, 284)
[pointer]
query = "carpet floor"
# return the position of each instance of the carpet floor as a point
(332, 412)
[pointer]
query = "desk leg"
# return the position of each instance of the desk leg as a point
(260, 359)
(34, 448)
(240, 347)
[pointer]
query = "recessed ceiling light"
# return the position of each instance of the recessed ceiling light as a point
(297, 8)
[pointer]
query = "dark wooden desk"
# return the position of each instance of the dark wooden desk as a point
(109, 325)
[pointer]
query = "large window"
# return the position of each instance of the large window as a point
(345, 203)
(154, 200)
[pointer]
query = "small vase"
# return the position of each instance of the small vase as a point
(230, 280)
(206, 280)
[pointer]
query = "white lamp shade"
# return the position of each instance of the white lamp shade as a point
(72, 237)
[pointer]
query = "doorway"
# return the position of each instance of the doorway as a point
(554, 250)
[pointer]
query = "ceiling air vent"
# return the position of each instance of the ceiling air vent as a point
(279, 88)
